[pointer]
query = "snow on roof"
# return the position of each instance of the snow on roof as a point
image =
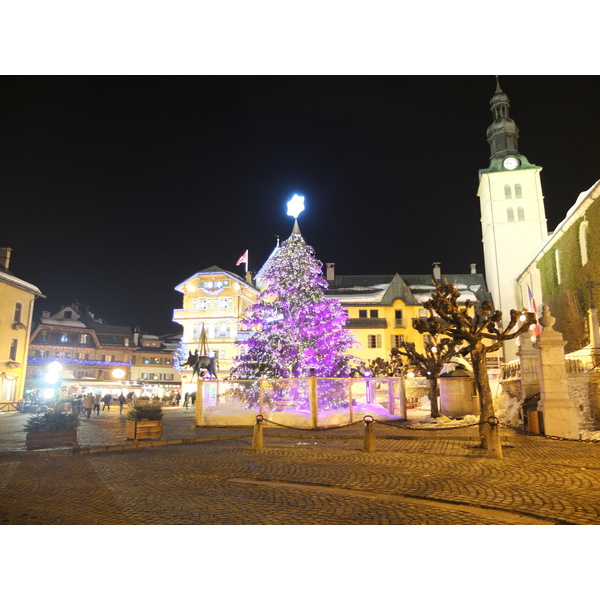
(20, 283)
(63, 323)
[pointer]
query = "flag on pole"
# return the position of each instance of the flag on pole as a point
(243, 259)
(533, 308)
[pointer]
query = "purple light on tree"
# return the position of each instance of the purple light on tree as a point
(297, 331)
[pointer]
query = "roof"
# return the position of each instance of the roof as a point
(584, 201)
(9, 278)
(413, 290)
(214, 270)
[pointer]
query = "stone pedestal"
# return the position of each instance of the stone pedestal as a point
(560, 414)
(528, 357)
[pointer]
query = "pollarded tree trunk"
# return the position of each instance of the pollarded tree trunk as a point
(433, 397)
(488, 433)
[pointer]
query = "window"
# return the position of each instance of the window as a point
(168, 376)
(518, 191)
(398, 318)
(108, 357)
(14, 346)
(200, 303)
(18, 312)
(362, 314)
(397, 340)
(520, 213)
(224, 302)
(43, 336)
(68, 314)
(223, 330)
(507, 192)
(64, 337)
(83, 338)
(374, 314)
(510, 215)
(583, 229)
(168, 361)
(374, 341)
(422, 313)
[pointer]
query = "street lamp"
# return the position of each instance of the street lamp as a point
(52, 378)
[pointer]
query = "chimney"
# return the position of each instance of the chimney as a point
(473, 269)
(46, 314)
(437, 271)
(5, 257)
(330, 272)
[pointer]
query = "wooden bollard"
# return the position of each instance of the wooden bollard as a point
(494, 445)
(369, 441)
(257, 436)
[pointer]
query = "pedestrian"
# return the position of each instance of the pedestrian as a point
(88, 404)
(106, 402)
(186, 400)
(97, 404)
(178, 398)
(121, 403)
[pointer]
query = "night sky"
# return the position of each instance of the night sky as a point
(116, 189)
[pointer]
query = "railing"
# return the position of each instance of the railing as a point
(511, 370)
(9, 406)
(308, 402)
(366, 323)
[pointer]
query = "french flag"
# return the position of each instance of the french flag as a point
(533, 308)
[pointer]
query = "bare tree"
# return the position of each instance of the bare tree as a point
(479, 330)
(439, 350)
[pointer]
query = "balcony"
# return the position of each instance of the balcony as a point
(182, 314)
(366, 323)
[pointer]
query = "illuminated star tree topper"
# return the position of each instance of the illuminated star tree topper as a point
(295, 206)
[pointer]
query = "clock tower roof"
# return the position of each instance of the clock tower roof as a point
(503, 133)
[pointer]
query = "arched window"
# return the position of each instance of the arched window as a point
(557, 261)
(518, 191)
(583, 229)
(510, 215)
(507, 192)
(18, 312)
(520, 213)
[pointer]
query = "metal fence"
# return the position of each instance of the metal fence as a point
(309, 402)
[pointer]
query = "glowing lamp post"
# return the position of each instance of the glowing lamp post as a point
(52, 378)
(118, 374)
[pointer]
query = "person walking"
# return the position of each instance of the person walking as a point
(121, 403)
(88, 404)
(97, 404)
(106, 402)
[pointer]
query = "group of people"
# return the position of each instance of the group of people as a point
(93, 403)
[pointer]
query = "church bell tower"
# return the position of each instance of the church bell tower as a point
(513, 218)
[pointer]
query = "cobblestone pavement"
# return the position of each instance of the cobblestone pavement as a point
(213, 476)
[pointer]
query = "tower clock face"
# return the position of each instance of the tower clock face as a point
(511, 162)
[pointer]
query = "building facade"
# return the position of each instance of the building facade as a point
(87, 349)
(513, 217)
(568, 267)
(152, 367)
(16, 317)
(214, 301)
(381, 308)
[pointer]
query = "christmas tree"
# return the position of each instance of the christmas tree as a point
(296, 330)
